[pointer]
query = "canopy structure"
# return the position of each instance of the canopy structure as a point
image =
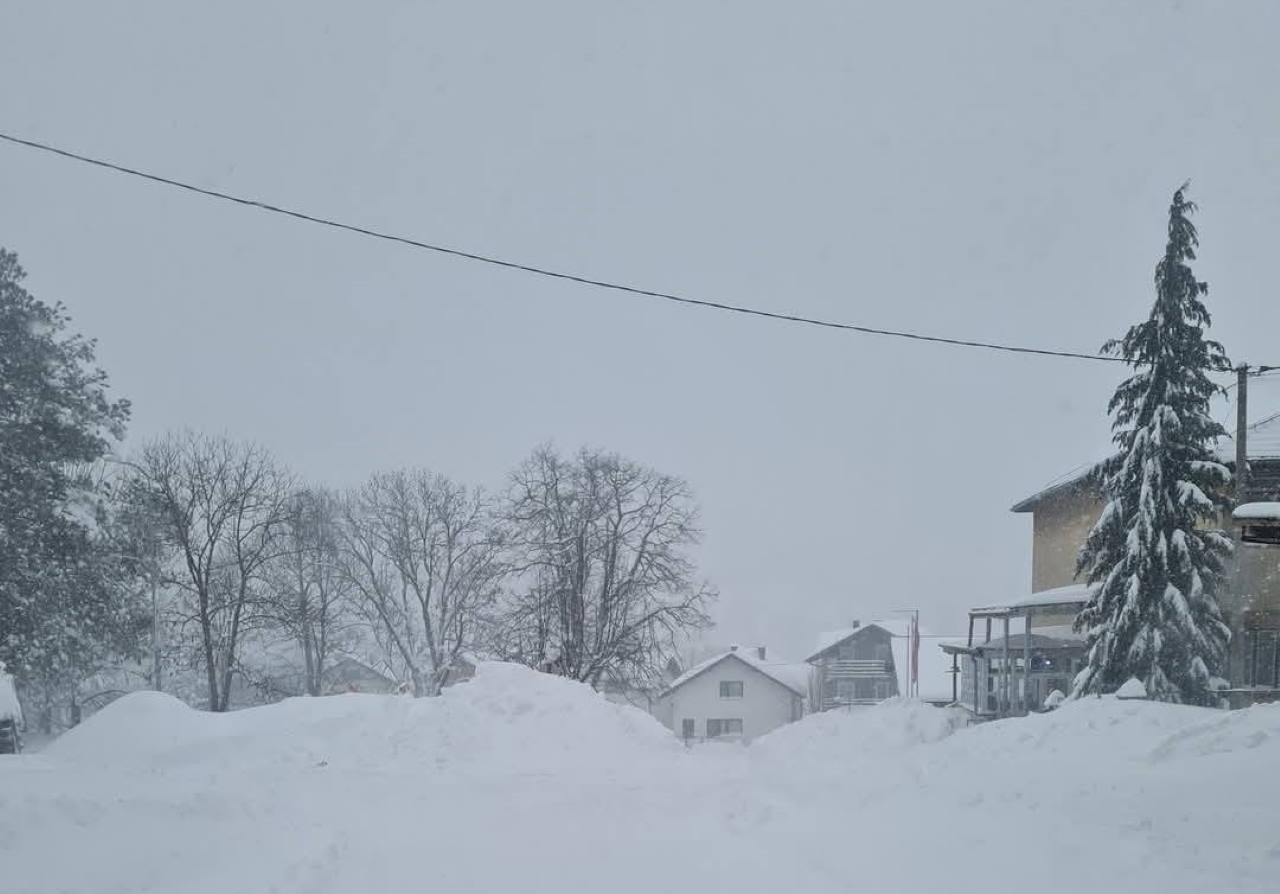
(1259, 522)
(1007, 669)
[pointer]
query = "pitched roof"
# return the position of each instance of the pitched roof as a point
(1262, 440)
(1068, 482)
(791, 676)
(832, 638)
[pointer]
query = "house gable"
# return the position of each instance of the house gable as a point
(866, 636)
(699, 705)
(697, 671)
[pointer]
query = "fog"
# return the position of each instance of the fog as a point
(989, 171)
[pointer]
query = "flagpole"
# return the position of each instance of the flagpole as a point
(913, 651)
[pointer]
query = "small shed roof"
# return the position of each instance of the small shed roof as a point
(1257, 512)
(1045, 640)
(1072, 595)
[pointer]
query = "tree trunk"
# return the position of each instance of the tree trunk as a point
(211, 668)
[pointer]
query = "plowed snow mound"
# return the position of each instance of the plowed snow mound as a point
(1108, 729)
(833, 737)
(508, 719)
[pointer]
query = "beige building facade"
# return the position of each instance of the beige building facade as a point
(1063, 515)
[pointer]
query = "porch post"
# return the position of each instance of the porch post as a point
(976, 689)
(1026, 665)
(1006, 706)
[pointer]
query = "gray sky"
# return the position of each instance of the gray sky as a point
(998, 171)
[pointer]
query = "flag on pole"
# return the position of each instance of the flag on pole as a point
(915, 655)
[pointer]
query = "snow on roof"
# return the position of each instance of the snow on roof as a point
(1133, 688)
(1257, 512)
(1057, 596)
(1062, 484)
(1262, 440)
(1072, 593)
(935, 665)
(829, 638)
(793, 676)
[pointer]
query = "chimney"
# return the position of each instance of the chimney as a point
(856, 624)
(760, 652)
(733, 648)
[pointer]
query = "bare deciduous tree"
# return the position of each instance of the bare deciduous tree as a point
(607, 589)
(426, 562)
(222, 506)
(309, 600)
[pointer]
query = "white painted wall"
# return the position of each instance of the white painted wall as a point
(765, 704)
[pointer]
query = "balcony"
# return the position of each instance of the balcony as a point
(855, 669)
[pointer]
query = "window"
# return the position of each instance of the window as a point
(846, 652)
(686, 728)
(730, 726)
(731, 689)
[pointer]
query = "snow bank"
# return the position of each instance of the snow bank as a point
(834, 737)
(518, 780)
(507, 719)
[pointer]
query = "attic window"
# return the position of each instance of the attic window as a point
(731, 689)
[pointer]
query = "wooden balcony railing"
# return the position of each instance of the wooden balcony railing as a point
(855, 669)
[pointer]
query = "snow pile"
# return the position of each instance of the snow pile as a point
(1235, 732)
(508, 719)
(522, 781)
(1133, 688)
(832, 738)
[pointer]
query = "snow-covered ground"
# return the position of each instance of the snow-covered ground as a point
(518, 781)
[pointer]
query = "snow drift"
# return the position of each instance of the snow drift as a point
(508, 719)
(522, 781)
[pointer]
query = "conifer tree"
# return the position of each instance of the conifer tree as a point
(1153, 560)
(62, 604)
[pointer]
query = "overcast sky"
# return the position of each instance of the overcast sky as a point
(991, 171)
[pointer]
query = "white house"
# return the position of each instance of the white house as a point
(737, 694)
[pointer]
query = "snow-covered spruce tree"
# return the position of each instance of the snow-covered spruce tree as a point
(1153, 561)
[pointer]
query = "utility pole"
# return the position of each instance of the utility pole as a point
(1242, 433)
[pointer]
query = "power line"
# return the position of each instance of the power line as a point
(542, 271)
